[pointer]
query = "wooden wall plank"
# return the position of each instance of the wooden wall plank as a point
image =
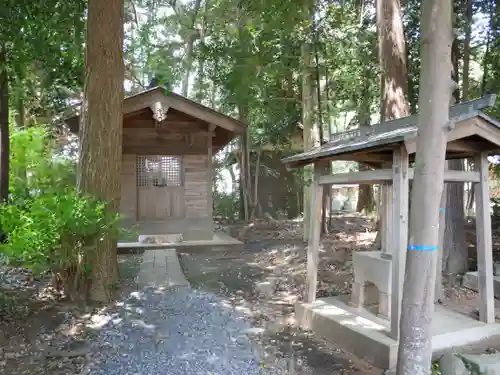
(196, 177)
(128, 206)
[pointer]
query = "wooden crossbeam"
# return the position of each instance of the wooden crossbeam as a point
(379, 176)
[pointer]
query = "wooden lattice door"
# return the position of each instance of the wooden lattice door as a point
(160, 187)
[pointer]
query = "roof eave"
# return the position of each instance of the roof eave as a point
(239, 127)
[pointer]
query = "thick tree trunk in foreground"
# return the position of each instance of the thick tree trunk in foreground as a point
(4, 126)
(101, 131)
(415, 352)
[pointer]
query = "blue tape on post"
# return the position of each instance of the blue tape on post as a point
(422, 248)
(442, 209)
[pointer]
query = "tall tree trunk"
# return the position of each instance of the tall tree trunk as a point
(466, 75)
(193, 34)
(366, 203)
(256, 211)
(436, 86)
(200, 92)
(311, 129)
(20, 119)
(4, 126)
(455, 252)
(466, 51)
(245, 178)
(101, 129)
(326, 202)
(392, 56)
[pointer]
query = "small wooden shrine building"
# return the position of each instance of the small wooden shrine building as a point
(370, 328)
(168, 143)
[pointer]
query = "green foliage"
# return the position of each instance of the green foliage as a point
(48, 222)
(11, 308)
(55, 228)
(227, 206)
(36, 167)
(435, 368)
(43, 41)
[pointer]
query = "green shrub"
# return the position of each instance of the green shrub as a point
(48, 223)
(55, 229)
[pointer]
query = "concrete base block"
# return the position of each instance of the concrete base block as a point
(484, 363)
(370, 266)
(218, 240)
(160, 238)
(384, 306)
(365, 335)
(471, 279)
(357, 295)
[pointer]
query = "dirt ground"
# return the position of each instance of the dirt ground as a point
(278, 251)
(42, 335)
(275, 249)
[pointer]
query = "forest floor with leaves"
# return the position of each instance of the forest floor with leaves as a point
(36, 328)
(40, 334)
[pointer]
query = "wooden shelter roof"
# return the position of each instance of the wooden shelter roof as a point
(374, 144)
(158, 102)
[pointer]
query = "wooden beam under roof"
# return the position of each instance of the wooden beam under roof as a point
(379, 176)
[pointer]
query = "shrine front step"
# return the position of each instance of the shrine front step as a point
(161, 268)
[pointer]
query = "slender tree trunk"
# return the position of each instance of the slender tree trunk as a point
(455, 251)
(436, 86)
(331, 130)
(466, 51)
(245, 178)
(466, 73)
(20, 172)
(191, 38)
(366, 203)
(326, 202)
(311, 129)
(255, 196)
(101, 129)
(4, 126)
(200, 92)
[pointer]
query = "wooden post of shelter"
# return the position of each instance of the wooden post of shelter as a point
(484, 241)
(386, 213)
(400, 187)
(314, 237)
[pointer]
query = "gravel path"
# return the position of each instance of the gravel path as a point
(179, 331)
